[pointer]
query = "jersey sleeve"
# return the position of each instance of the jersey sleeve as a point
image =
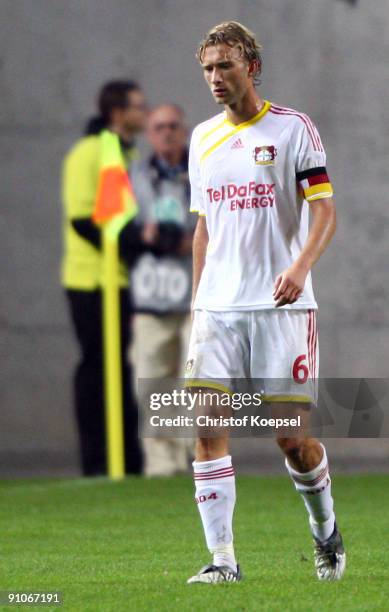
(196, 192)
(311, 172)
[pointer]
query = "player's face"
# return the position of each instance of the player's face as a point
(226, 72)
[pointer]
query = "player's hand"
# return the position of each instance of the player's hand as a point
(289, 285)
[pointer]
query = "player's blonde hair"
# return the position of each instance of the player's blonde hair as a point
(233, 34)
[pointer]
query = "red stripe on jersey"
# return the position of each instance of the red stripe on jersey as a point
(306, 120)
(315, 347)
(315, 141)
(312, 131)
(309, 341)
(312, 332)
(313, 344)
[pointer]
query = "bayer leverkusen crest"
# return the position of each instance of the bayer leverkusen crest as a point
(265, 156)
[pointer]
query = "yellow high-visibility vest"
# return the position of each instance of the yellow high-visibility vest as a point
(82, 263)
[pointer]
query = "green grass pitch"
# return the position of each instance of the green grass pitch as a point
(131, 545)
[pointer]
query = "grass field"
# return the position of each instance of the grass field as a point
(131, 545)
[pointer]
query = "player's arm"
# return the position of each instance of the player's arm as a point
(290, 283)
(200, 244)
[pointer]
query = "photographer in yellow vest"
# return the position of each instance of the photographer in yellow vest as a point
(122, 115)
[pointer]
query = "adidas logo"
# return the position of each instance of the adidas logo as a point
(238, 144)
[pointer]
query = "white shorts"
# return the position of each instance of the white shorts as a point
(276, 350)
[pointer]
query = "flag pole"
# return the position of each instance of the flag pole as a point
(112, 355)
(115, 206)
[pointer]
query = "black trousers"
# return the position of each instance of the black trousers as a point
(86, 314)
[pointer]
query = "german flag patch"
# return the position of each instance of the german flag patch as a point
(315, 183)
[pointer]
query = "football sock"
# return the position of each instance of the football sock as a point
(215, 498)
(315, 489)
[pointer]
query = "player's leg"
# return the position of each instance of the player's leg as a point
(213, 354)
(307, 464)
(289, 340)
(215, 496)
(214, 478)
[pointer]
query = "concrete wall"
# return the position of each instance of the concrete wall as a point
(324, 57)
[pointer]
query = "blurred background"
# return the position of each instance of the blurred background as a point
(327, 58)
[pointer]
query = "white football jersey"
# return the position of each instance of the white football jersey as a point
(252, 182)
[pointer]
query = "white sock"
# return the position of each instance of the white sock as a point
(215, 497)
(315, 489)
